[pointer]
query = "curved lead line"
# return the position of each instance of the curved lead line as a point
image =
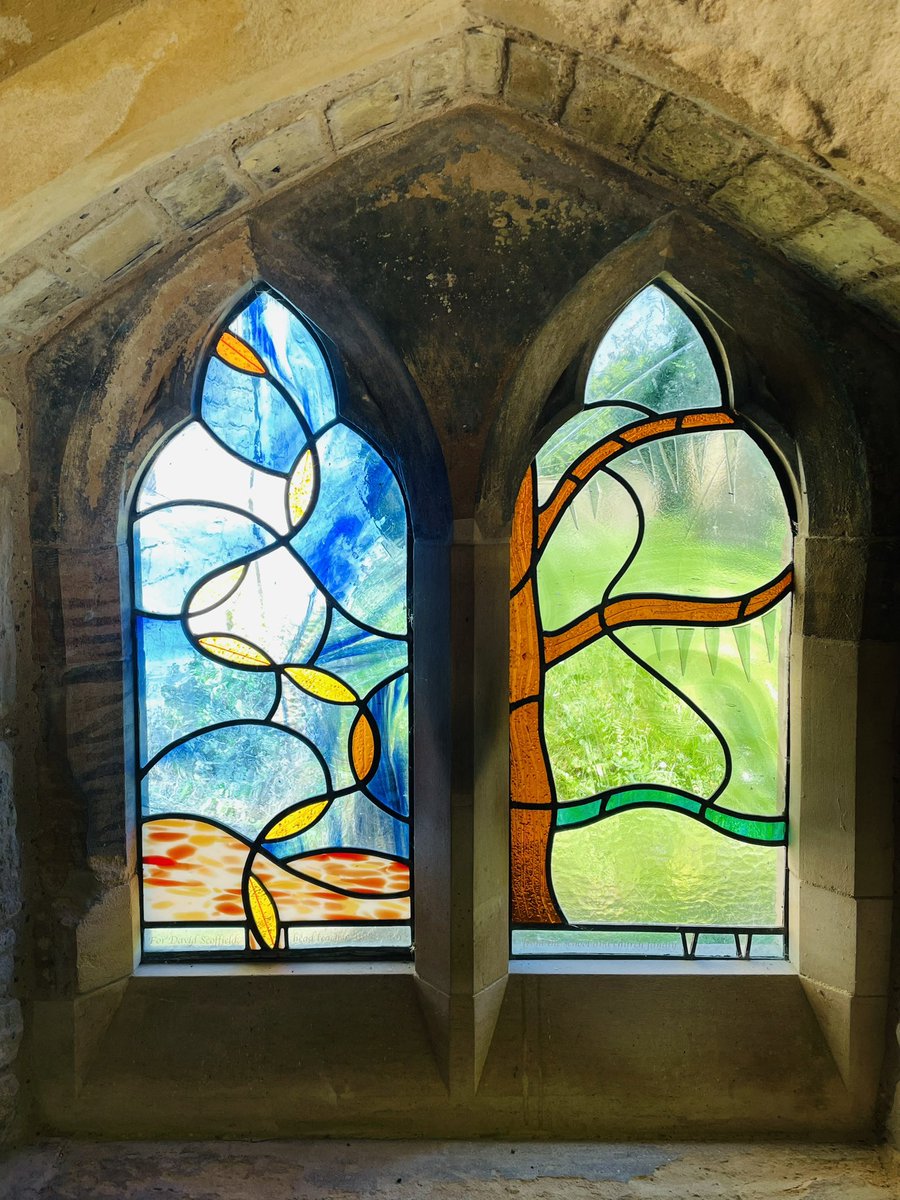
(711, 725)
(238, 723)
(778, 824)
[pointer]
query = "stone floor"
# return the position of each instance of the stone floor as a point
(339, 1170)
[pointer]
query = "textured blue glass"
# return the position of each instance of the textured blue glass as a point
(251, 417)
(355, 822)
(326, 725)
(176, 547)
(355, 538)
(241, 775)
(279, 558)
(182, 688)
(653, 355)
(291, 354)
(358, 657)
(287, 627)
(390, 783)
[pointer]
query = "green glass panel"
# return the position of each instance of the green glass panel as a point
(608, 723)
(650, 866)
(653, 355)
(708, 532)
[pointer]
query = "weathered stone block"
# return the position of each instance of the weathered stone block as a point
(362, 112)
(96, 748)
(437, 77)
(9, 1092)
(34, 300)
(10, 1030)
(10, 897)
(10, 459)
(693, 145)
(199, 194)
(284, 153)
(484, 61)
(770, 199)
(844, 246)
(91, 604)
(118, 243)
(881, 295)
(609, 107)
(534, 78)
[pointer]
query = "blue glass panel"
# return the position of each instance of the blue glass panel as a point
(192, 465)
(251, 417)
(175, 547)
(358, 657)
(182, 690)
(390, 708)
(275, 607)
(292, 355)
(653, 355)
(326, 725)
(355, 538)
(240, 775)
(352, 821)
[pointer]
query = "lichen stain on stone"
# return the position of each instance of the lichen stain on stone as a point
(517, 202)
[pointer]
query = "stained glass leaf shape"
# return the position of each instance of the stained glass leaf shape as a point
(273, 438)
(359, 657)
(325, 724)
(233, 650)
(291, 354)
(355, 538)
(238, 355)
(238, 774)
(277, 608)
(322, 684)
(390, 783)
(182, 688)
(295, 822)
(176, 547)
(351, 821)
(263, 912)
(362, 747)
(215, 590)
(193, 465)
(300, 488)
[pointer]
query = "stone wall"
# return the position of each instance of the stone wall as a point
(13, 616)
(296, 164)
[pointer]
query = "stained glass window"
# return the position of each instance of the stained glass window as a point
(649, 612)
(271, 651)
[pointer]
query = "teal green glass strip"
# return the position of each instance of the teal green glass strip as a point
(634, 797)
(573, 814)
(749, 828)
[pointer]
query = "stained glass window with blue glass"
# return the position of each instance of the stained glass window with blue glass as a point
(271, 650)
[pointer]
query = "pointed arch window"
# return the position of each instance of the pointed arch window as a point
(271, 652)
(649, 618)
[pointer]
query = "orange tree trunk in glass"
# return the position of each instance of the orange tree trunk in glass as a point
(531, 651)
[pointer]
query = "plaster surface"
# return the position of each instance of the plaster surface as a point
(448, 1170)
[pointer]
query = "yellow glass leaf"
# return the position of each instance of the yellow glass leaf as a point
(321, 684)
(300, 488)
(263, 912)
(215, 590)
(362, 746)
(298, 820)
(234, 650)
(238, 355)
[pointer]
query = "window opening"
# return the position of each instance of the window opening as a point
(649, 617)
(271, 651)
